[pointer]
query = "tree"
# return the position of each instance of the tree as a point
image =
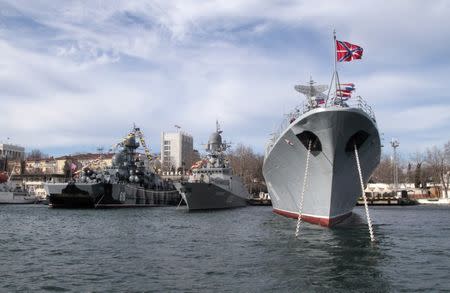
(383, 173)
(248, 165)
(70, 166)
(36, 154)
(436, 159)
(418, 158)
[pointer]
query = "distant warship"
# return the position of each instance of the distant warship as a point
(212, 184)
(11, 193)
(127, 183)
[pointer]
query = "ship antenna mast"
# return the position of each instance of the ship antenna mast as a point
(335, 76)
(217, 126)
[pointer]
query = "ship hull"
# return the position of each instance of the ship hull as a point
(12, 197)
(333, 183)
(209, 196)
(106, 195)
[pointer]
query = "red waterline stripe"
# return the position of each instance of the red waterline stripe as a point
(326, 222)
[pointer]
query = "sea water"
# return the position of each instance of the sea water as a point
(241, 250)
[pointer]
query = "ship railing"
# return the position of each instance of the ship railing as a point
(357, 102)
(305, 107)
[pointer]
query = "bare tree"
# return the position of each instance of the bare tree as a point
(418, 158)
(383, 173)
(447, 167)
(402, 165)
(436, 159)
(248, 165)
(36, 154)
(71, 165)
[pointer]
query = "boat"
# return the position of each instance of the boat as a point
(212, 184)
(12, 193)
(36, 188)
(311, 164)
(127, 183)
(434, 201)
(329, 133)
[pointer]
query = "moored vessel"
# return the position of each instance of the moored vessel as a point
(13, 194)
(212, 184)
(311, 163)
(127, 183)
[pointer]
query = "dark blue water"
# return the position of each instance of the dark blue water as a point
(242, 250)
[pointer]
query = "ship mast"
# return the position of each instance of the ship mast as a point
(338, 84)
(335, 76)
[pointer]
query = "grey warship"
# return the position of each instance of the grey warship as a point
(212, 184)
(321, 138)
(127, 183)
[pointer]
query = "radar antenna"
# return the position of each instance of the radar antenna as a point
(312, 92)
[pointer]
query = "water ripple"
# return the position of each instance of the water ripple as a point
(242, 250)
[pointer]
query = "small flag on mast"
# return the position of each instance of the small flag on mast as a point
(346, 87)
(341, 93)
(346, 51)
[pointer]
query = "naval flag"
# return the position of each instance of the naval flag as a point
(343, 93)
(347, 86)
(347, 52)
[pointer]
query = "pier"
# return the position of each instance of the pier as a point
(386, 201)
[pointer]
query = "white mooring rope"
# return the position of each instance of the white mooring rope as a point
(98, 202)
(300, 208)
(369, 222)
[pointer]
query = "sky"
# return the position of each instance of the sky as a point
(76, 75)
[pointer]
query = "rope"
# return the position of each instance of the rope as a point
(181, 200)
(369, 221)
(300, 208)
(98, 202)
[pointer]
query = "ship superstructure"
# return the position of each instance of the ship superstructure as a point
(212, 184)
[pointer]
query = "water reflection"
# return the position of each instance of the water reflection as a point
(341, 258)
(356, 260)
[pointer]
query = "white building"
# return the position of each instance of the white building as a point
(176, 150)
(12, 152)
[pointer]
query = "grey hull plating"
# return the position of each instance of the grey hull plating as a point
(206, 196)
(102, 195)
(212, 184)
(333, 184)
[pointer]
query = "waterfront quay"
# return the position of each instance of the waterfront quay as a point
(387, 201)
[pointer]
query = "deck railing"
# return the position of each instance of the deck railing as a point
(305, 107)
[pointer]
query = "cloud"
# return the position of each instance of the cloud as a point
(80, 73)
(416, 119)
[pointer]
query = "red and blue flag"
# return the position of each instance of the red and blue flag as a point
(347, 86)
(347, 52)
(343, 93)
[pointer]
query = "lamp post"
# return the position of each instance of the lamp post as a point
(395, 144)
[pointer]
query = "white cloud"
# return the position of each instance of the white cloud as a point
(416, 119)
(94, 67)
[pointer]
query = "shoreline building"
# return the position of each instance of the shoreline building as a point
(12, 152)
(11, 157)
(60, 165)
(177, 150)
